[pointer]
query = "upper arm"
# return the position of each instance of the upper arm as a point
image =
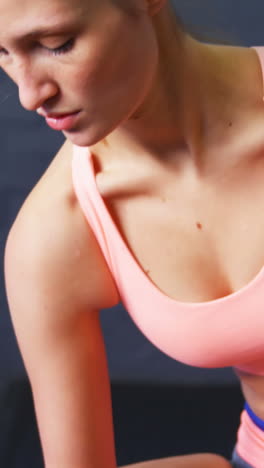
(54, 268)
(56, 282)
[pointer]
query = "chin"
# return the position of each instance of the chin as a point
(87, 137)
(78, 139)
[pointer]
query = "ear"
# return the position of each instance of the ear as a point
(154, 6)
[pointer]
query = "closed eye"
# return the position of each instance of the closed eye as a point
(63, 49)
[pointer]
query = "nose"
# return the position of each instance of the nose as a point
(35, 88)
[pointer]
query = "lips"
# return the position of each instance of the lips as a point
(55, 115)
(60, 116)
(61, 121)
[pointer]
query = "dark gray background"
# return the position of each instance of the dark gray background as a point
(27, 147)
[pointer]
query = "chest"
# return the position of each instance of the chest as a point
(196, 240)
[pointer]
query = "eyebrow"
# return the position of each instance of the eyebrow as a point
(44, 31)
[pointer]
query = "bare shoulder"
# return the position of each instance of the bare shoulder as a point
(51, 233)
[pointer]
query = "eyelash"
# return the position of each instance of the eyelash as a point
(63, 49)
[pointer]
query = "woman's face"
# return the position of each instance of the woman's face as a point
(93, 57)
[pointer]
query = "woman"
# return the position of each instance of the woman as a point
(155, 198)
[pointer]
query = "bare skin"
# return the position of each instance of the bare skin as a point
(162, 170)
(185, 461)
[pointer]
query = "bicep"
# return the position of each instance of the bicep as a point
(37, 293)
(54, 269)
(62, 346)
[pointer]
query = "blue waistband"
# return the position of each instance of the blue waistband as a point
(259, 422)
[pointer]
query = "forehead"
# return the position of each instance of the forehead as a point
(18, 17)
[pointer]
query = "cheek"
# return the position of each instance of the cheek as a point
(129, 70)
(118, 64)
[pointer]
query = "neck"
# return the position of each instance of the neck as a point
(199, 100)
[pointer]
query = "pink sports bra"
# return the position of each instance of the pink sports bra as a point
(228, 331)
